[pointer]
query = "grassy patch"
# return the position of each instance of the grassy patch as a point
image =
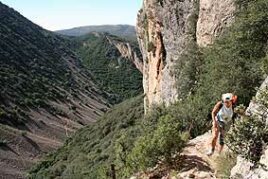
(224, 163)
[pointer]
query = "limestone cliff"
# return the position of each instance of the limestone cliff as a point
(164, 28)
(214, 16)
(128, 51)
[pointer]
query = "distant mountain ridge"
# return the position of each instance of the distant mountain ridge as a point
(118, 30)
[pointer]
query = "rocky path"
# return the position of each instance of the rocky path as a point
(193, 163)
(196, 164)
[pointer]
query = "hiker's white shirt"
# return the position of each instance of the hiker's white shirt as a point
(225, 114)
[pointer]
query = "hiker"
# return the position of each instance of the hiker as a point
(222, 114)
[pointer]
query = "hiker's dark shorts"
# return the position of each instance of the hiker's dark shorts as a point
(222, 127)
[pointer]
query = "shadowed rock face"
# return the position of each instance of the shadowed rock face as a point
(164, 29)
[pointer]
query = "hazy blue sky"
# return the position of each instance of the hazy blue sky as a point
(61, 14)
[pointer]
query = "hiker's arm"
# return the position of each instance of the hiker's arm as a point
(215, 111)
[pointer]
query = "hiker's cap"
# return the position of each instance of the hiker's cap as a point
(227, 97)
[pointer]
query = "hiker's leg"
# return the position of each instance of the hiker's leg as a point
(222, 134)
(215, 132)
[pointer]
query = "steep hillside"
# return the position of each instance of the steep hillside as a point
(126, 31)
(188, 67)
(91, 151)
(115, 63)
(46, 93)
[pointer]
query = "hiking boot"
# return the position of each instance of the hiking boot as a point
(210, 152)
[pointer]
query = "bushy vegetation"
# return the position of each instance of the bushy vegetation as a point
(115, 74)
(249, 136)
(235, 63)
(91, 151)
(122, 137)
(3, 142)
(36, 66)
(187, 69)
(159, 145)
(151, 47)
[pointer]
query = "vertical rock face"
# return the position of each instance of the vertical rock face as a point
(164, 27)
(129, 52)
(214, 16)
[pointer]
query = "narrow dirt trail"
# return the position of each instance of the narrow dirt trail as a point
(196, 164)
(193, 163)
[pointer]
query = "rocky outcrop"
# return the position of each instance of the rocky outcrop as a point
(164, 29)
(128, 51)
(255, 108)
(244, 168)
(214, 16)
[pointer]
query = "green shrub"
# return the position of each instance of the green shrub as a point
(23, 133)
(151, 47)
(187, 69)
(3, 142)
(2, 113)
(247, 138)
(169, 137)
(91, 150)
(250, 134)
(158, 145)
(264, 65)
